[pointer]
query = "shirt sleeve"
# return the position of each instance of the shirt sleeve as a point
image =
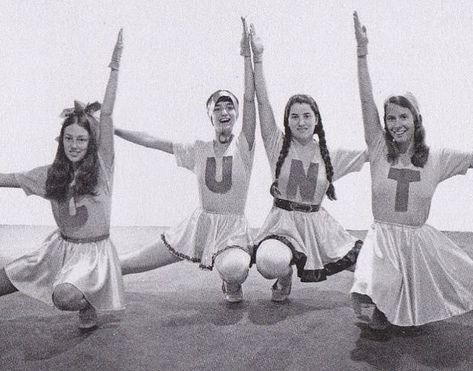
(348, 161)
(185, 155)
(452, 162)
(246, 154)
(33, 182)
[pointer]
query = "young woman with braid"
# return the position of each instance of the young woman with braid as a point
(76, 268)
(298, 231)
(410, 271)
(217, 233)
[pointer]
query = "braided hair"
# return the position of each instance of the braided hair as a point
(421, 150)
(61, 172)
(319, 130)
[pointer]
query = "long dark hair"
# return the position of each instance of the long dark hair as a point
(61, 172)
(319, 130)
(421, 150)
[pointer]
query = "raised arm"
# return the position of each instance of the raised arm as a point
(105, 140)
(372, 124)
(146, 140)
(9, 181)
(265, 111)
(249, 107)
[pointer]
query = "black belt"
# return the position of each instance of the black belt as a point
(295, 206)
(85, 239)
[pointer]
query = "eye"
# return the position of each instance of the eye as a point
(83, 140)
(293, 116)
(390, 118)
(404, 116)
(307, 115)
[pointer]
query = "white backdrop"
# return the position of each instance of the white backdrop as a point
(178, 52)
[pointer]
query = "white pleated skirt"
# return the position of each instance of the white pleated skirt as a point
(203, 235)
(92, 267)
(317, 235)
(414, 275)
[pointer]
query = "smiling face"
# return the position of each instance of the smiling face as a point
(400, 123)
(224, 117)
(76, 142)
(302, 121)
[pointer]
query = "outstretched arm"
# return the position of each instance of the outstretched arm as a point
(9, 181)
(265, 111)
(249, 107)
(105, 140)
(144, 139)
(372, 124)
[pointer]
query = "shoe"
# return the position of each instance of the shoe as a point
(378, 321)
(87, 318)
(363, 306)
(282, 288)
(232, 291)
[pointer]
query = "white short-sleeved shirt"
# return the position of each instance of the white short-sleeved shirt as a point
(303, 179)
(403, 194)
(77, 217)
(223, 180)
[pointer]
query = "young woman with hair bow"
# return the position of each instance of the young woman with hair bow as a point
(76, 268)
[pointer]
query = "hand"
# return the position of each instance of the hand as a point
(360, 35)
(245, 40)
(117, 52)
(256, 45)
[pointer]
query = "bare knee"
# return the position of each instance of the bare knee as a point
(273, 259)
(233, 265)
(68, 297)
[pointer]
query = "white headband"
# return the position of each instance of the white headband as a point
(216, 96)
(409, 96)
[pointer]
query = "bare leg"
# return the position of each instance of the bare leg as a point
(6, 287)
(68, 297)
(273, 259)
(233, 265)
(146, 258)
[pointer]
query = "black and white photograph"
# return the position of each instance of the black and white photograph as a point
(236, 185)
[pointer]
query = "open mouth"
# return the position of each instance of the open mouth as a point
(399, 132)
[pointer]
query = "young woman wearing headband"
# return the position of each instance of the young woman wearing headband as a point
(217, 233)
(410, 271)
(76, 268)
(298, 231)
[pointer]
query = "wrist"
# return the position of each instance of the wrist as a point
(258, 58)
(362, 51)
(114, 66)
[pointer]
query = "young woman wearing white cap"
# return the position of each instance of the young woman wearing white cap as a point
(217, 233)
(412, 272)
